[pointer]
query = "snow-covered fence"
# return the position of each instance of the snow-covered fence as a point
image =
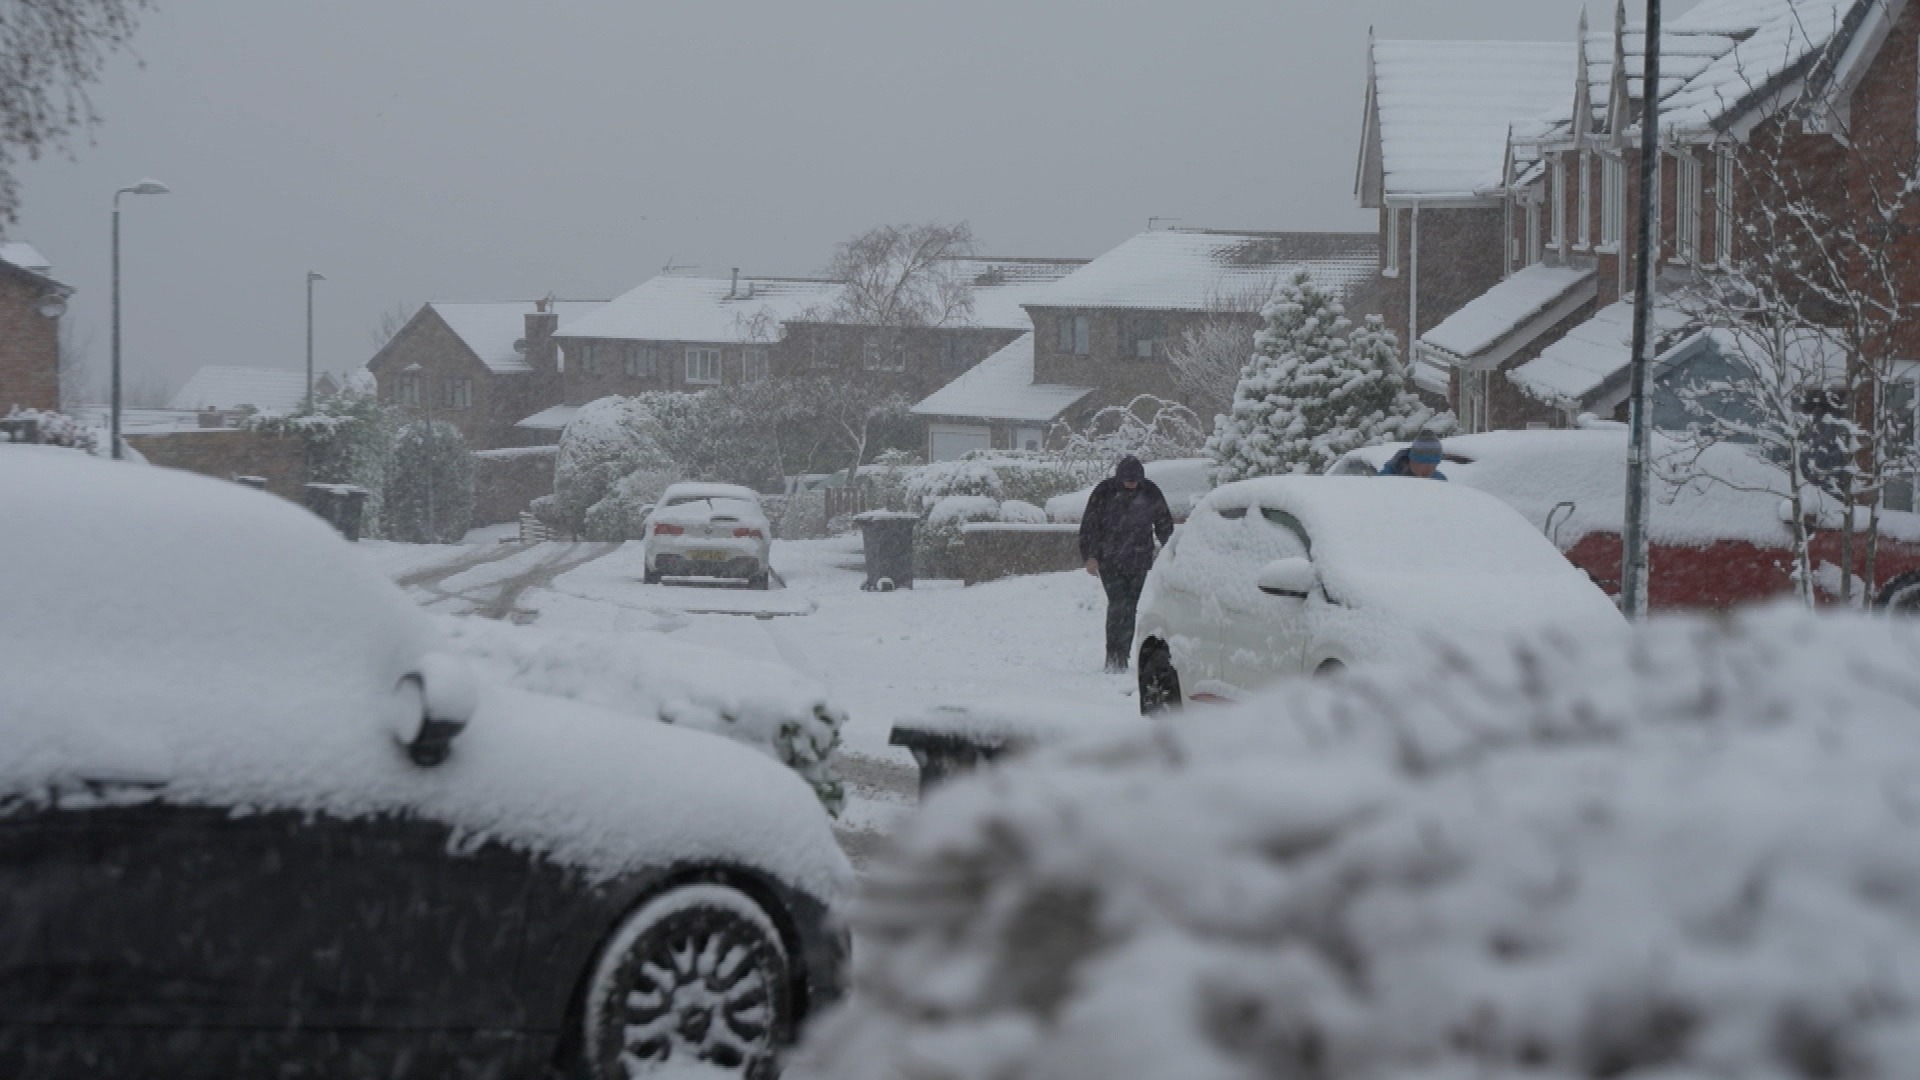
(847, 501)
(991, 550)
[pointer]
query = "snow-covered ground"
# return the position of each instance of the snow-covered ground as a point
(881, 656)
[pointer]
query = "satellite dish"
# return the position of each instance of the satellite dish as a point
(53, 307)
(520, 345)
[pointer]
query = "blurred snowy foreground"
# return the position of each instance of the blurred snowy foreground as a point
(812, 668)
(1687, 852)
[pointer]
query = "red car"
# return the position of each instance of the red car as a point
(1716, 543)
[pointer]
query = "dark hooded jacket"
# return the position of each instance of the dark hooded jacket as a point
(1122, 528)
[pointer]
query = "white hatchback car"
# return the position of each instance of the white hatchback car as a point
(708, 531)
(1312, 574)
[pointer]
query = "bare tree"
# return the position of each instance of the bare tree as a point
(77, 385)
(902, 276)
(51, 51)
(1148, 427)
(389, 324)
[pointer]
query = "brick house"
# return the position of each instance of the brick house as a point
(1433, 142)
(31, 304)
(917, 361)
(483, 368)
(1741, 79)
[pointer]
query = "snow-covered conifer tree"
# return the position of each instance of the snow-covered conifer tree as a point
(1316, 387)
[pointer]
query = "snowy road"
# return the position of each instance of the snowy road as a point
(882, 656)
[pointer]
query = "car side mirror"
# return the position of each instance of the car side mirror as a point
(443, 695)
(1294, 578)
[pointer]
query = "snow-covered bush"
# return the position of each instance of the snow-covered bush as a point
(1149, 427)
(1017, 512)
(771, 708)
(929, 484)
(938, 544)
(429, 478)
(59, 429)
(1691, 851)
(1316, 387)
(349, 440)
(622, 513)
(605, 442)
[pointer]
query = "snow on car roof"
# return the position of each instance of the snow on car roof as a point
(709, 491)
(246, 655)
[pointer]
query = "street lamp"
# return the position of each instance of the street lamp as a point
(144, 187)
(312, 276)
(426, 403)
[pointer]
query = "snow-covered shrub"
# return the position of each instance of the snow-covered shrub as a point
(1150, 428)
(349, 440)
(766, 706)
(938, 543)
(59, 429)
(1017, 512)
(429, 477)
(621, 514)
(1035, 476)
(605, 442)
(1690, 851)
(1316, 387)
(929, 484)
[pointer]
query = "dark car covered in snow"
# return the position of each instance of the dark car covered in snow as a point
(253, 822)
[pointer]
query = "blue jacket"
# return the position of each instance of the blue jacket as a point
(1401, 466)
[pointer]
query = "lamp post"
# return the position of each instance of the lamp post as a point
(144, 187)
(1634, 556)
(312, 276)
(426, 403)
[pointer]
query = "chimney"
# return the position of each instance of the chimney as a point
(733, 290)
(540, 350)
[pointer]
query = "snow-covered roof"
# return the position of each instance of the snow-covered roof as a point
(490, 330)
(269, 390)
(1002, 287)
(1511, 313)
(1569, 371)
(1445, 108)
(552, 418)
(1199, 269)
(1776, 38)
(26, 257)
(1001, 387)
(701, 309)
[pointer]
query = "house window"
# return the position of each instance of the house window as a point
(753, 364)
(1723, 208)
(1393, 242)
(409, 390)
(589, 359)
(883, 357)
(1532, 254)
(1903, 405)
(459, 393)
(703, 366)
(1140, 337)
(1585, 227)
(642, 360)
(1686, 240)
(1613, 201)
(1560, 205)
(1073, 335)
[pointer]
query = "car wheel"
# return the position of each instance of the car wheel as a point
(650, 577)
(1330, 667)
(694, 976)
(760, 581)
(1901, 596)
(1159, 682)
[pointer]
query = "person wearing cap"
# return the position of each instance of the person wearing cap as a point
(1125, 521)
(1421, 459)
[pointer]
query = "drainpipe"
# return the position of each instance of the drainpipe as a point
(1413, 288)
(733, 290)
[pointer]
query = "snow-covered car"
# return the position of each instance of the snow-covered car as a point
(1689, 850)
(256, 820)
(1184, 481)
(1715, 543)
(708, 531)
(1296, 575)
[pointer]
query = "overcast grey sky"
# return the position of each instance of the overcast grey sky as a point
(416, 150)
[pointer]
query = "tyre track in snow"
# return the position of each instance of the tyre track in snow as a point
(498, 599)
(432, 576)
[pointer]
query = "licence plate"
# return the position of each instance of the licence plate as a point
(708, 556)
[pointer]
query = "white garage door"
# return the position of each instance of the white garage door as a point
(948, 442)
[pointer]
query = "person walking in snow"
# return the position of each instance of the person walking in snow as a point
(1421, 459)
(1126, 519)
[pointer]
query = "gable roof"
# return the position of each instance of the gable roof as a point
(491, 329)
(1778, 39)
(1002, 287)
(701, 309)
(1001, 387)
(27, 258)
(1441, 110)
(270, 390)
(1199, 269)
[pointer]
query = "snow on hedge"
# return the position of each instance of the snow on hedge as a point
(771, 708)
(1690, 853)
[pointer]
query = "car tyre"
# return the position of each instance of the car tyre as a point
(1330, 667)
(762, 580)
(1901, 596)
(650, 577)
(697, 975)
(1159, 682)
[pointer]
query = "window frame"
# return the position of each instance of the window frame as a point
(1723, 168)
(1392, 268)
(1073, 335)
(407, 391)
(459, 392)
(1558, 230)
(754, 364)
(1131, 337)
(641, 361)
(1686, 207)
(1613, 208)
(1584, 232)
(699, 355)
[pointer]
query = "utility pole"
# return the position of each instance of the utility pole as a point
(1633, 553)
(312, 276)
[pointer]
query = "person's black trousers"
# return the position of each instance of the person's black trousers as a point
(1123, 601)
